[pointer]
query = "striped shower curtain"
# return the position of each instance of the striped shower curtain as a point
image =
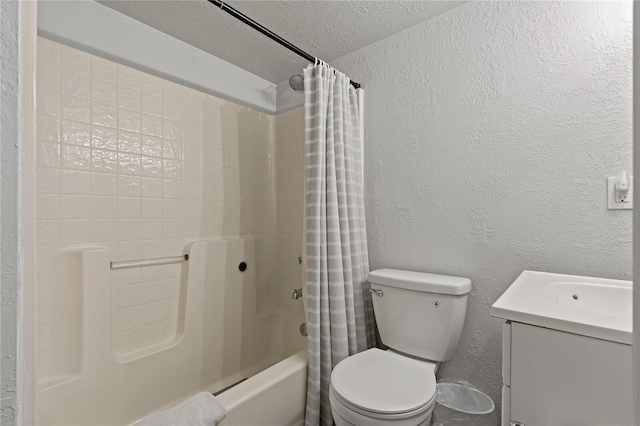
(339, 310)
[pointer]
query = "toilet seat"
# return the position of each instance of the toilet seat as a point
(384, 384)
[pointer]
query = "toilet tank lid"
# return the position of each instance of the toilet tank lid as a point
(421, 281)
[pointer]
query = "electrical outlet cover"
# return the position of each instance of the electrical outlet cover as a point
(614, 204)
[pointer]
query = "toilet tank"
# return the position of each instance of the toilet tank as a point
(418, 313)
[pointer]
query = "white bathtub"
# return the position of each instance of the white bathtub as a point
(274, 397)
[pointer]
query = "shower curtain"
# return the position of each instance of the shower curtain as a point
(339, 310)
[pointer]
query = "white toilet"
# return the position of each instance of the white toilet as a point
(420, 318)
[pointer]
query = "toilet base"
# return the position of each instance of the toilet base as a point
(344, 416)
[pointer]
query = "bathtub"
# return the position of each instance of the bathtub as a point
(221, 339)
(274, 397)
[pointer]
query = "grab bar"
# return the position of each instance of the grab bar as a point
(124, 264)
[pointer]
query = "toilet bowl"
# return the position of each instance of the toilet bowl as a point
(420, 318)
(377, 387)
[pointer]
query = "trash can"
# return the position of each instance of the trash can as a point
(462, 404)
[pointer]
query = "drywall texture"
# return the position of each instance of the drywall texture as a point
(9, 253)
(326, 29)
(490, 131)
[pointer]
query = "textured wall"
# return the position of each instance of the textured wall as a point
(9, 174)
(490, 131)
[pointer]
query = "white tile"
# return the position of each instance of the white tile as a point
(103, 91)
(171, 188)
(128, 208)
(151, 208)
(151, 105)
(151, 166)
(48, 154)
(172, 169)
(104, 184)
(75, 108)
(74, 83)
(104, 137)
(171, 111)
(129, 77)
(172, 208)
(104, 161)
(48, 102)
(75, 59)
(129, 186)
(129, 164)
(47, 180)
(75, 133)
(172, 150)
(172, 228)
(151, 126)
(191, 152)
(192, 116)
(74, 157)
(128, 295)
(171, 130)
(104, 208)
(150, 249)
(48, 232)
(128, 250)
(172, 91)
(75, 206)
(192, 134)
(171, 287)
(75, 231)
(152, 334)
(152, 291)
(48, 206)
(48, 51)
(151, 146)
(129, 142)
(104, 115)
(151, 85)
(129, 317)
(129, 340)
(129, 99)
(47, 128)
(170, 308)
(153, 312)
(152, 187)
(129, 120)
(128, 229)
(151, 229)
(192, 171)
(75, 182)
(104, 69)
(103, 230)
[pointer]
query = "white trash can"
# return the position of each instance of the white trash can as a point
(462, 404)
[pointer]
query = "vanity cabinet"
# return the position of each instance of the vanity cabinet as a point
(556, 378)
(566, 351)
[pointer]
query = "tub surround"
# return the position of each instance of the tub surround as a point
(138, 167)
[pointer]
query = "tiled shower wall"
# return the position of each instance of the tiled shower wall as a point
(143, 166)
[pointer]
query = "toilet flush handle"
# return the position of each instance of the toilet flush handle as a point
(377, 292)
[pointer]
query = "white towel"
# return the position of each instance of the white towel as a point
(202, 409)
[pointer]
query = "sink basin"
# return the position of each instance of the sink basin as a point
(594, 307)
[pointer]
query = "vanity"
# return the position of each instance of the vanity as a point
(566, 350)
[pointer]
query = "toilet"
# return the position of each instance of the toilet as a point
(420, 318)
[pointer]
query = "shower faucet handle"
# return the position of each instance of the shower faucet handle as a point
(297, 294)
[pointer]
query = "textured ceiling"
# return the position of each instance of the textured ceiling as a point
(326, 29)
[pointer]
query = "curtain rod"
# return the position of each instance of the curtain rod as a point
(273, 36)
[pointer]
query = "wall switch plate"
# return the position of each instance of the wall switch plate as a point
(615, 202)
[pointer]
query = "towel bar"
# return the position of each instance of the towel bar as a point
(124, 264)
